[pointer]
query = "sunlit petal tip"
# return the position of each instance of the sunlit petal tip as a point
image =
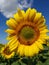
(38, 16)
(10, 31)
(19, 12)
(28, 10)
(7, 38)
(7, 22)
(34, 10)
(47, 30)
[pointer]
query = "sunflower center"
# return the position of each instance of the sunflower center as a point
(7, 51)
(27, 32)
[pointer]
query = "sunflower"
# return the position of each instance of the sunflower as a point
(27, 32)
(6, 53)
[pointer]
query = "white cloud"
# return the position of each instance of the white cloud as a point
(9, 7)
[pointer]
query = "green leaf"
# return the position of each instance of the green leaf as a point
(47, 62)
(16, 63)
(3, 64)
(23, 64)
(39, 63)
(25, 60)
(1, 45)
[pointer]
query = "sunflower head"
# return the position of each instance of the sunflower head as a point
(6, 53)
(28, 31)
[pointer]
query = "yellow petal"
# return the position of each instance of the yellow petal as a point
(9, 37)
(21, 13)
(41, 25)
(27, 14)
(19, 16)
(26, 50)
(10, 31)
(37, 17)
(20, 50)
(43, 34)
(39, 45)
(11, 42)
(11, 23)
(42, 28)
(35, 49)
(44, 31)
(30, 51)
(45, 37)
(32, 14)
(41, 20)
(14, 46)
(41, 40)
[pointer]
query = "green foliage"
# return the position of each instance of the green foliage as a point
(1, 45)
(47, 62)
(15, 63)
(40, 59)
(2, 63)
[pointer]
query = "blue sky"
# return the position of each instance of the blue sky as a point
(40, 5)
